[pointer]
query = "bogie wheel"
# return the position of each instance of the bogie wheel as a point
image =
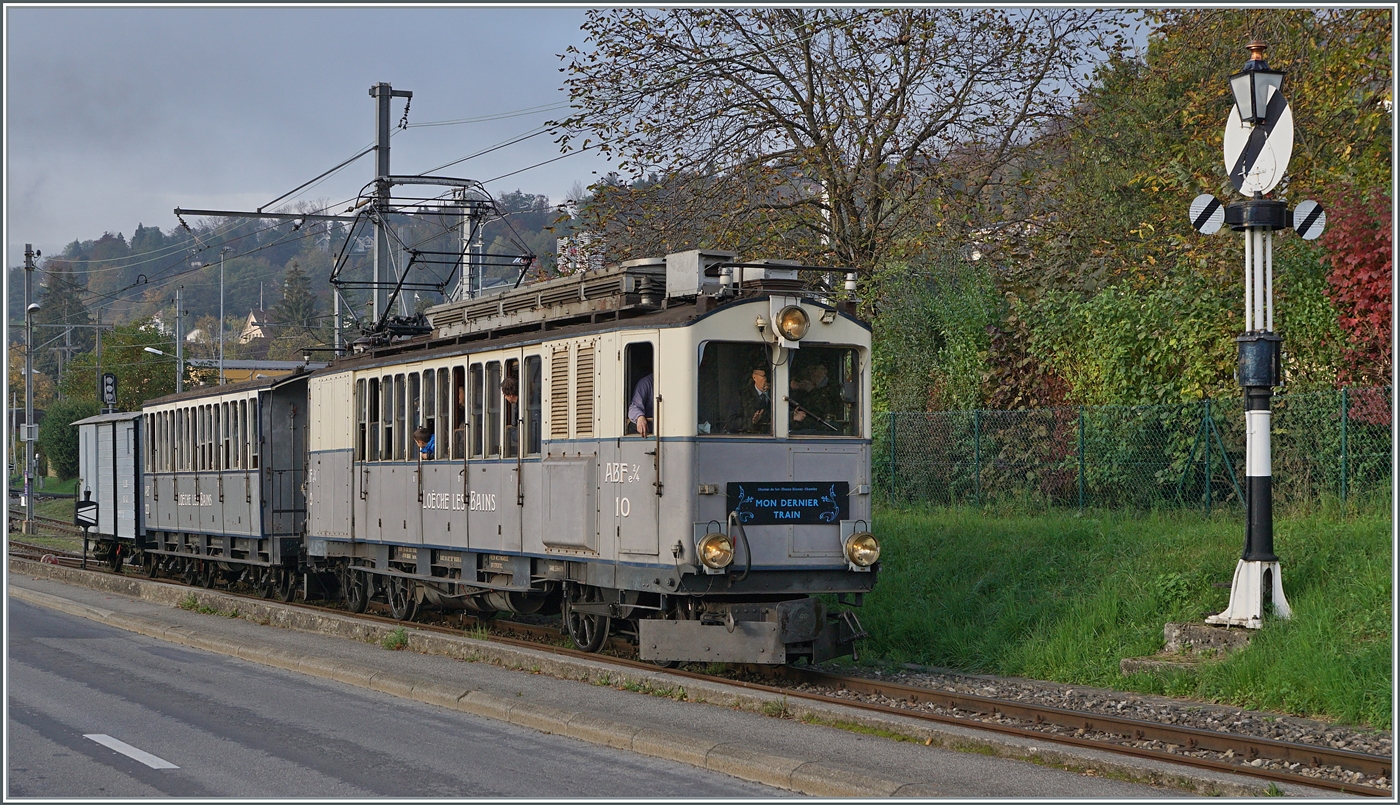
(354, 587)
(588, 630)
(209, 576)
(190, 573)
(285, 586)
(114, 559)
(148, 562)
(403, 597)
(265, 582)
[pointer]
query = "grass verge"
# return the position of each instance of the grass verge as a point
(1062, 597)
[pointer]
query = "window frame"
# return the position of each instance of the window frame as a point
(532, 390)
(746, 378)
(857, 426)
(493, 413)
(629, 383)
(475, 414)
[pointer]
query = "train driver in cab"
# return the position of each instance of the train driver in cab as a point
(810, 398)
(751, 410)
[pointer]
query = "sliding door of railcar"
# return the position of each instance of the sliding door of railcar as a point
(629, 477)
(368, 455)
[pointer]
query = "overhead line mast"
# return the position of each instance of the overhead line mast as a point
(383, 93)
(387, 283)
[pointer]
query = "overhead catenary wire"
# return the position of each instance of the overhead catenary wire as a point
(325, 175)
(155, 256)
(498, 116)
(519, 139)
(540, 164)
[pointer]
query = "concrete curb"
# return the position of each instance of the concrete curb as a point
(805, 777)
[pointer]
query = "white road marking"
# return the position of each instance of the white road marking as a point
(132, 752)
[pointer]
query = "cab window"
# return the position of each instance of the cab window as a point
(734, 394)
(824, 392)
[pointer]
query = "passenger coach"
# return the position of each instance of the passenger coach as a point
(223, 469)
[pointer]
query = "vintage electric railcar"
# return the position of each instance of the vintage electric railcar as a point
(704, 532)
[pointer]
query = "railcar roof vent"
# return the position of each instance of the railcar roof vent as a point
(634, 287)
(770, 275)
(695, 272)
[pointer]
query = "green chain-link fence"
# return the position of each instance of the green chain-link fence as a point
(1330, 443)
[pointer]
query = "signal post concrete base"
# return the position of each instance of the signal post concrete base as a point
(1253, 579)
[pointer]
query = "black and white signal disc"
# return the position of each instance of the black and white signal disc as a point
(1207, 214)
(1309, 219)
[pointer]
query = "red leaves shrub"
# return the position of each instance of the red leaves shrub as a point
(1357, 243)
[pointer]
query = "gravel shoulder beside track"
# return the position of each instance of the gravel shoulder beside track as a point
(1201, 715)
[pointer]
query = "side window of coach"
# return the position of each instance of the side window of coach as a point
(533, 393)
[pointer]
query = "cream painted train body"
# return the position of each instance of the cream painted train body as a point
(705, 539)
(736, 529)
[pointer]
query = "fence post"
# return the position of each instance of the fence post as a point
(1081, 459)
(1345, 417)
(893, 463)
(1209, 422)
(977, 456)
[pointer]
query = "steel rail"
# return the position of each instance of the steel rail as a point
(1248, 747)
(1035, 714)
(49, 522)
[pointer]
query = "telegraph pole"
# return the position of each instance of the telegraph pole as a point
(98, 354)
(383, 94)
(179, 344)
(30, 431)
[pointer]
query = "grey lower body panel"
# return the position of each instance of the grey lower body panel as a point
(693, 641)
(752, 633)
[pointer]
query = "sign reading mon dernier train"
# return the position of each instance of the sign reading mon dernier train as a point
(797, 502)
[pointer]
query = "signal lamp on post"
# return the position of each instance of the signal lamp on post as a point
(1250, 86)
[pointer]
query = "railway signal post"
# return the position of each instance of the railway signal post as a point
(1258, 144)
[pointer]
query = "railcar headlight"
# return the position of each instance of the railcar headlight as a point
(862, 549)
(716, 551)
(793, 322)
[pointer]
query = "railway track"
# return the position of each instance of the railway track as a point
(48, 524)
(40, 553)
(1281, 761)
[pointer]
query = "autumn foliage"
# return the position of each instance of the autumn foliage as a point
(1358, 243)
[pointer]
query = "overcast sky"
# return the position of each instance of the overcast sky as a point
(116, 116)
